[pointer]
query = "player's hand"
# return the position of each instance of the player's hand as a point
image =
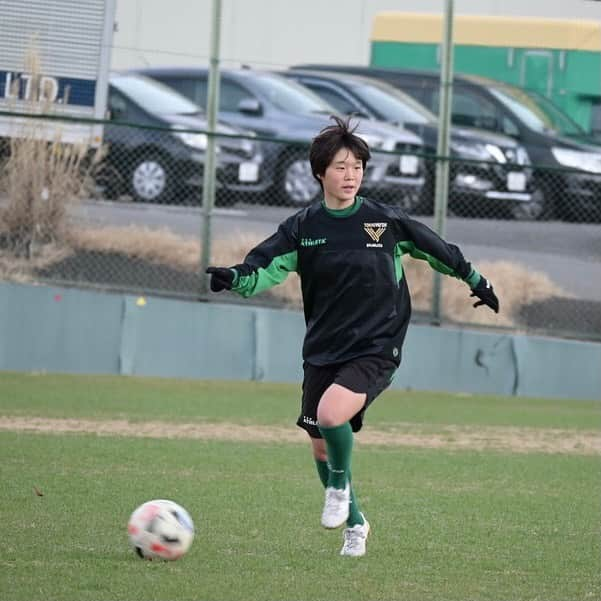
(485, 292)
(222, 278)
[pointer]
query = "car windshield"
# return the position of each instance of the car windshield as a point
(290, 96)
(530, 112)
(393, 105)
(561, 122)
(154, 97)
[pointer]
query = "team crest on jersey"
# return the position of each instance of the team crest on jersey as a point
(375, 231)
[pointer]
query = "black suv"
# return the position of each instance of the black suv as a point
(567, 161)
(492, 180)
(156, 146)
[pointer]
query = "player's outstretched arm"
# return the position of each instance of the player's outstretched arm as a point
(421, 242)
(485, 292)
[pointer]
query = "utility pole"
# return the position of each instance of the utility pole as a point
(209, 176)
(441, 192)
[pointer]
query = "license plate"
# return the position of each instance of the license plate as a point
(516, 181)
(248, 172)
(408, 164)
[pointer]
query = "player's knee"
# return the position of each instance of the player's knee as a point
(329, 419)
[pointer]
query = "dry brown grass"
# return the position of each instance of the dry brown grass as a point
(514, 283)
(40, 178)
(21, 269)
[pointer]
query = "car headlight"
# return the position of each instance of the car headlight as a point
(496, 153)
(198, 141)
(247, 146)
(577, 159)
(477, 152)
(375, 142)
(522, 156)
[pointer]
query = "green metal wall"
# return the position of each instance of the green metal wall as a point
(575, 76)
(74, 331)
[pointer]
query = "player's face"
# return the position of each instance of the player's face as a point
(342, 178)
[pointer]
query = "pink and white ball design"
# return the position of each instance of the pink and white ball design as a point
(160, 529)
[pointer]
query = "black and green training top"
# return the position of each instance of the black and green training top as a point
(356, 300)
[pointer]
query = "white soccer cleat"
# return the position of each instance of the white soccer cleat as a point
(355, 539)
(336, 508)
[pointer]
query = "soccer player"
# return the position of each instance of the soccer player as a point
(347, 251)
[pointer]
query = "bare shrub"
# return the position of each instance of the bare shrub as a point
(515, 284)
(21, 269)
(40, 178)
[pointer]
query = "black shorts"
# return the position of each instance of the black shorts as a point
(368, 375)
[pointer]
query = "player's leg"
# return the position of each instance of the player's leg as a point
(320, 455)
(340, 414)
(336, 407)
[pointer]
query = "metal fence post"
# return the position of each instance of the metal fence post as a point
(442, 165)
(208, 190)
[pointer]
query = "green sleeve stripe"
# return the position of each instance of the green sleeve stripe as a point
(473, 278)
(398, 263)
(266, 277)
(409, 248)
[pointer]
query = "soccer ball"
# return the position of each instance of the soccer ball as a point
(160, 529)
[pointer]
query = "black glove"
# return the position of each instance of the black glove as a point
(484, 291)
(222, 278)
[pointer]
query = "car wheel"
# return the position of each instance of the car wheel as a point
(150, 180)
(297, 184)
(538, 207)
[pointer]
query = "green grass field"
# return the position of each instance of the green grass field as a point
(453, 517)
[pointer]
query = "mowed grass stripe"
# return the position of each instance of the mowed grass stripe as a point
(154, 399)
(513, 439)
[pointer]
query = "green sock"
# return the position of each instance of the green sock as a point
(354, 511)
(339, 442)
(323, 470)
(354, 516)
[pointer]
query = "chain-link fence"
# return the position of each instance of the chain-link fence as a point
(136, 223)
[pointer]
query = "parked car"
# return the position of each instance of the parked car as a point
(499, 185)
(567, 162)
(289, 115)
(156, 146)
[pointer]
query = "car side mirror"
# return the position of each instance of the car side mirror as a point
(250, 106)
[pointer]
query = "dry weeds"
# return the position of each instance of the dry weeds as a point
(449, 437)
(41, 177)
(515, 284)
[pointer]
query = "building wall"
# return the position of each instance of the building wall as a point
(277, 33)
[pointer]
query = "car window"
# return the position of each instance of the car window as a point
(596, 118)
(470, 110)
(392, 104)
(527, 112)
(289, 96)
(154, 97)
(473, 112)
(337, 100)
(196, 89)
(185, 86)
(557, 118)
(118, 107)
(230, 95)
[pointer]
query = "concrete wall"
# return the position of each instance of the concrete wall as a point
(75, 331)
(276, 33)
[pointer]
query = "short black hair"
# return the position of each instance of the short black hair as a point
(330, 140)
